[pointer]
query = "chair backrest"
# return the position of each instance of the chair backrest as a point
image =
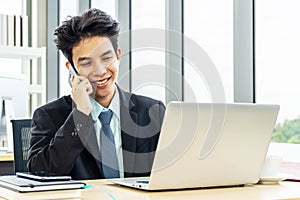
(21, 138)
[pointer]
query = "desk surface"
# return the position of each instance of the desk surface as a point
(101, 190)
(6, 157)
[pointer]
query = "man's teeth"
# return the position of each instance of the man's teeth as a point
(102, 82)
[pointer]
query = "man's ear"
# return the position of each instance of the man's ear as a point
(68, 65)
(119, 53)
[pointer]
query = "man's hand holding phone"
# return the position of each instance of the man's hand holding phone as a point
(81, 89)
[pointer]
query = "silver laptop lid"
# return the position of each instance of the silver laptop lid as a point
(204, 144)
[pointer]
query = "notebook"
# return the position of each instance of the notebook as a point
(19, 184)
(209, 145)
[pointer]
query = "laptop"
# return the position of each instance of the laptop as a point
(209, 145)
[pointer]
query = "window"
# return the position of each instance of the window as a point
(68, 7)
(148, 62)
(277, 70)
(107, 6)
(209, 23)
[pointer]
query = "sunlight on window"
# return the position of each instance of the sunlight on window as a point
(277, 70)
(277, 59)
(148, 14)
(209, 23)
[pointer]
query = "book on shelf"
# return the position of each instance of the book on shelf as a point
(24, 30)
(14, 30)
(10, 30)
(3, 29)
(18, 184)
(17, 30)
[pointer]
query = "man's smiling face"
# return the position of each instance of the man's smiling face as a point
(95, 59)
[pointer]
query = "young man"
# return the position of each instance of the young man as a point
(68, 135)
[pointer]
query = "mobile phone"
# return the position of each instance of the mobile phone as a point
(72, 73)
(42, 176)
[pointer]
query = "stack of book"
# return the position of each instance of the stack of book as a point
(12, 186)
(13, 30)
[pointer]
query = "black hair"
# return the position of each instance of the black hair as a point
(93, 22)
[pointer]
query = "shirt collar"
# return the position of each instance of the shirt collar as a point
(114, 106)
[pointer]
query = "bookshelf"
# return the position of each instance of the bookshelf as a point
(36, 76)
(14, 35)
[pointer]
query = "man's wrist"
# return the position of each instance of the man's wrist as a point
(85, 110)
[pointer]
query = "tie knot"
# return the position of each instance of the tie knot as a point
(105, 117)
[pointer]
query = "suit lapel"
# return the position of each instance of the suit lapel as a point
(128, 118)
(91, 144)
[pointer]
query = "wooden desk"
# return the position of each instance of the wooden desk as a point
(6, 163)
(101, 190)
(6, 157)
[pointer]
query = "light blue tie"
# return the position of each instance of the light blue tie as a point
(110, 165)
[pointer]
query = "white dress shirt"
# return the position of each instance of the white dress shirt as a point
(114, 124)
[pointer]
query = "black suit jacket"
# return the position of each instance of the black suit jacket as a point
(63, 140)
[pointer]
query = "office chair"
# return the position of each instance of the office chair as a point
(21, 138)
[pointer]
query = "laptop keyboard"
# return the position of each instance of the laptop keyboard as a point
(142, 181)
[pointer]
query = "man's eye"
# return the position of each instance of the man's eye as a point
(107, 58)
(85, 64)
